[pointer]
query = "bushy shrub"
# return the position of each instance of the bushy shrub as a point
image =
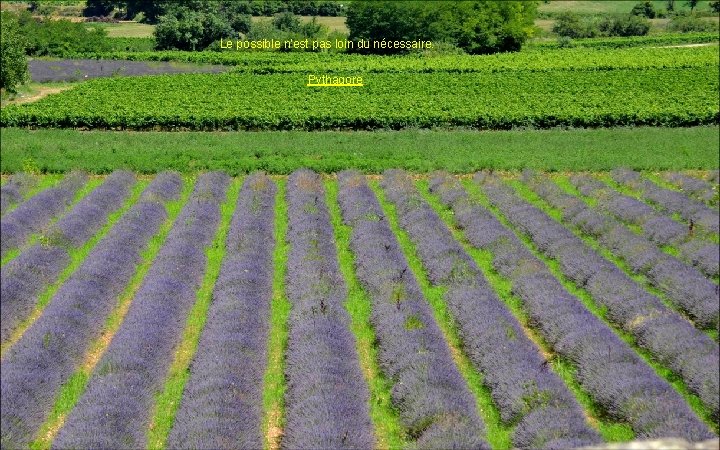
(478, 27)
(571, 25)
(13, 64)
(577, 27)
(689, 24)
(60, 38)
(645, 9)
(286, 26)
(287, 21)
(565, 42)
(624, 26)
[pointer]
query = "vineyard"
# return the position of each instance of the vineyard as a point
(672, 87)
(501, 310)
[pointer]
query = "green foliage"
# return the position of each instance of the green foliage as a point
(624, 26)
(569, 24)
(60, 38)
(287, 21)
(13, 64)
(101, 8)
(645, 9)
(183, 28)
(715, 6)
(478, 27)
(690, 24)
(300, 7)
(575, 26)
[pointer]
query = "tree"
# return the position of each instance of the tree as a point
(287, 21)
(183, 28)
(101, 8)
(692, 4)
(670, 5)
(715, 6)
(645, 9)
(478, 26)
(13, 64)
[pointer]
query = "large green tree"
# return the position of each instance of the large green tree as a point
(191, 27)
(13, 64)
(479, 26)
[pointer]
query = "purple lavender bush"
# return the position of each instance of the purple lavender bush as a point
(36, 213)
(36, 268)
(221, 405)
(629, 305)
(15, 190)
(673, 202)
(695, 187)
(52, 348)
(527, 393)
(434, 403)
(327, 397)
(658, 228)
(91, 213)
(132, 370)
(610, 371)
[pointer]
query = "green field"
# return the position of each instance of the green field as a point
(386, 101)
(371, 152)
(611, 6)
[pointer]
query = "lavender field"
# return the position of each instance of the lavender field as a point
(493, 310)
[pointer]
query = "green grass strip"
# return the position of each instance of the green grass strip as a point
(599, 311)
(498, 434)
(610, 430)
(274, 380)
(281, 152)
(72, 390)
(77, 256)
(389, 431)
(35, 237)
(630, 192)
(168, 401)
(567, 186)
(44, 182)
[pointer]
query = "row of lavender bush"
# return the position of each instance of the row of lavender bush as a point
(700, 189)
(15, 190)
(673, 202)
(53, 347)
(221, 405)
(613, 375)
(692, 292)
(326, 401)
(529, 396)
(26, 276)
(37, 212)
(115, 409)
(657, 227)
(434, 402)
(667, 335)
